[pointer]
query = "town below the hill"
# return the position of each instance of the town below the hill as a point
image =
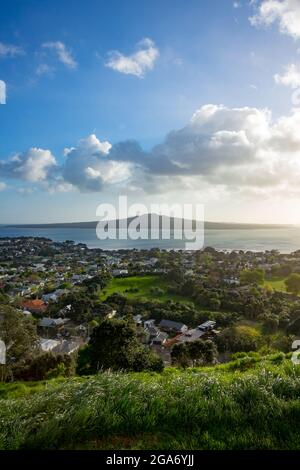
(66, 308)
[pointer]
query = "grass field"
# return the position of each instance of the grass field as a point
(277, 284)
(142, 288)
(212, 408)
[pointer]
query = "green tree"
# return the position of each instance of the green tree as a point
(114, 345)
(293, 283)
(18, 333)
(271, 324)
(252, 276)
(202, 352)
(180, 355)
(238, 339)
(44, 365)
(198, 352)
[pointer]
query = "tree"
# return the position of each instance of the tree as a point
(271, 324)
(202, 352)
(294, 327)
(179, 355)
(293, 283)
(44, 365)
(252, 276)
(238, 339)
(198, 352)
(18, 333)
(114, 345)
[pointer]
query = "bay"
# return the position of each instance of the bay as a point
(285, 239)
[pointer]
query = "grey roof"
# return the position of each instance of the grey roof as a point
(173, 325)
(160, 338)
(152, 330)
(207, 324)
(191, 335)
(48, 322)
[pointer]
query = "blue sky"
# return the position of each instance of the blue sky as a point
(71, 71)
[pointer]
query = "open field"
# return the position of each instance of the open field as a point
(208, 408)
(277, 284)
(142, 288)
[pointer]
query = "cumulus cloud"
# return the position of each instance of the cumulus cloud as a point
(88, 168)
(137, 63)
(9, 50)
(231, 147)
(215, 136)
(33, 165)
(63, 53)
(221, 149)
(284, 12)
(290, 78)
(3, 186)
(2, 92)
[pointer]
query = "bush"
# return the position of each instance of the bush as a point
(238, 338)
(277, 358)
(244, 363)
(114, 345)
(43, 366)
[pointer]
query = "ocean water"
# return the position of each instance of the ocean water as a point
(286, 240)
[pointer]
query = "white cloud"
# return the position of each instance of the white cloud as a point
(236, 150)
(2, 92)
(44, 69)
(137, 63)
(88, 168)
(291, 77)
(236, 5)
(9, 50)
(64, 55)
(232, 148)
(3, 186)
(33, 165)
(284, 12)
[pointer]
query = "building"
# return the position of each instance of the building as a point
(37, 306)
(207, 326)
(173, 326)
(59, 346)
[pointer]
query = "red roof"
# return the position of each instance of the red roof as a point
(36, 305)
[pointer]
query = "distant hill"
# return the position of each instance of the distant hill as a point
(160, 220)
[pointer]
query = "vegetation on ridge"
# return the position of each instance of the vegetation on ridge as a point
(208, 408)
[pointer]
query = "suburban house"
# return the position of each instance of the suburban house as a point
(51, 326)
(37, 306)
(173, 326)
(119, 272)
(59, 346)
(207, 326)
(160, 339)
(191, 335)
(54, 296)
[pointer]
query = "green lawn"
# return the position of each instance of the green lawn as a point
(142, 288)
(276, 284)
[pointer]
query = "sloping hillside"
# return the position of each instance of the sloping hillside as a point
(213, 408)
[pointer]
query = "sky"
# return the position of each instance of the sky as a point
(163, 101)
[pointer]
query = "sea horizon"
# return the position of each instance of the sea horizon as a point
(285, 240)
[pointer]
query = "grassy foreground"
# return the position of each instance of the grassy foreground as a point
(220, 408)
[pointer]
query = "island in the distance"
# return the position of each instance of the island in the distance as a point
(159, 222)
